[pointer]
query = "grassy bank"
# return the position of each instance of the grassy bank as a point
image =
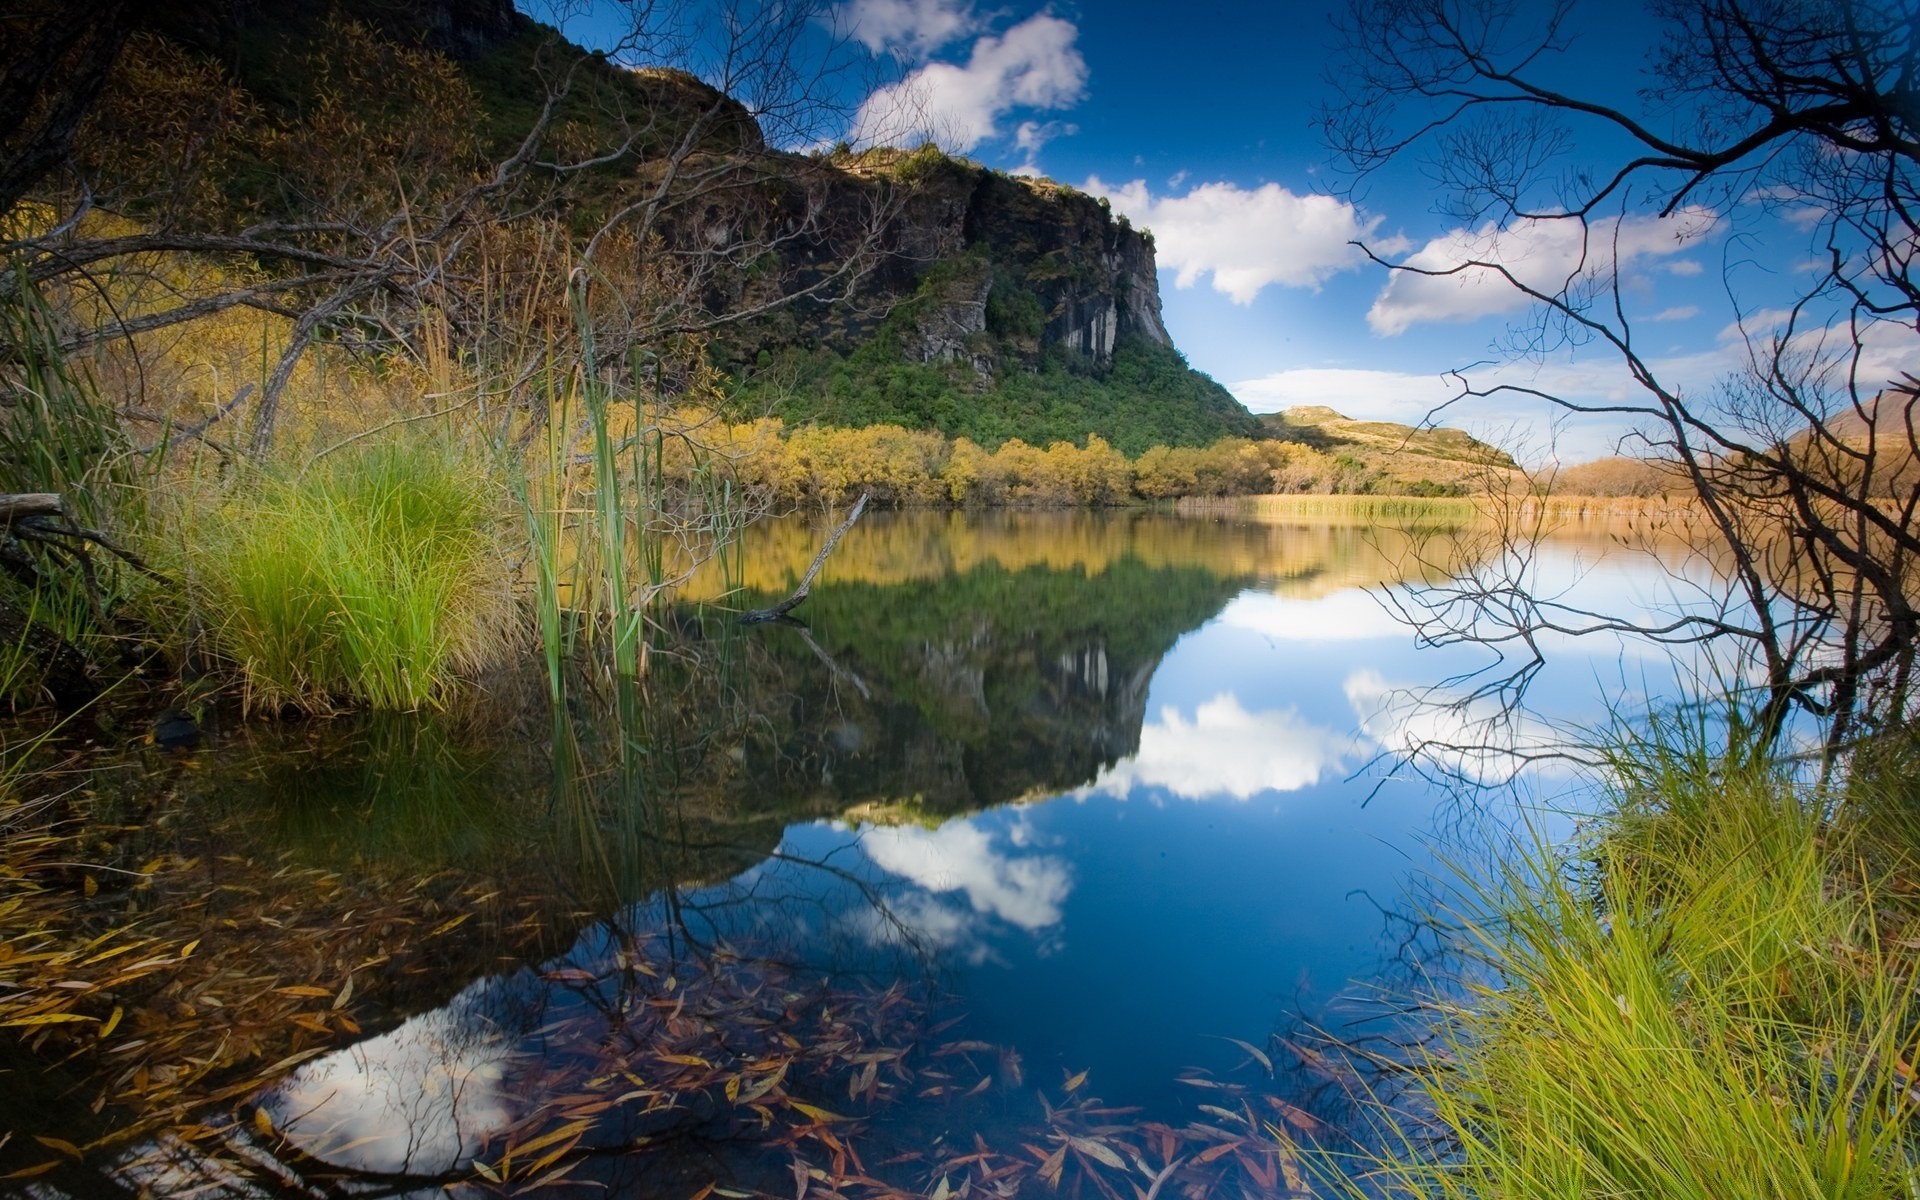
(1709, 995)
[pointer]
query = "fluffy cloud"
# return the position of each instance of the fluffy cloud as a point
(1344, 616)
(1475, 738)
(1033, 65)
(1247, 239)
(1025, 891)
(911, 28)
(421, 1099)
(1224, 750)
(1547, 254)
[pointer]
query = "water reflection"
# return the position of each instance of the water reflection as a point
(421, 1100)
(1224, 750)
(950, 792)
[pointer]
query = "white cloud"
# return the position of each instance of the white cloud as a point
(1345, 616)
(421, 1099)
(1546, 254)
(1247, 239)
(911, 28)
(1227, 751)
(1024, 891)
(1031, 136)
(1683, 266)
(1682, 312)
(1476, 738)
(1033, 65)
(1374, 395)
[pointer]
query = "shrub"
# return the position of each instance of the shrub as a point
(1618, 477)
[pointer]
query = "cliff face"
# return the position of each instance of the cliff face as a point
(1001, 269)
(978, 286)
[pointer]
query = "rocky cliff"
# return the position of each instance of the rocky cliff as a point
(1019, 303)
(1036, 266)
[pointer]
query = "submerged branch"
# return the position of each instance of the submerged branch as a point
(761, 616)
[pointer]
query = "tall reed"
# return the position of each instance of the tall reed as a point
(59, 434)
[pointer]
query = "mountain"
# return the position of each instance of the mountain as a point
(990, 307)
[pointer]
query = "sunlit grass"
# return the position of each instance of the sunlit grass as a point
(374, 575)
(1722, 1005)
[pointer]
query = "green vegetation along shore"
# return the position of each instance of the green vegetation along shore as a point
(1709, 993)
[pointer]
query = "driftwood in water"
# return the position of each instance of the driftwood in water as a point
(762, 615)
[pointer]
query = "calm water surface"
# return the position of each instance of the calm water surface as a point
(1116, 791)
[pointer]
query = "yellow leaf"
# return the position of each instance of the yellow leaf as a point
(37, 1169)
(1259, 1055)
(60, 1144)
(263, 1122)
(817, 1114)
(189, 948)
(572, 1129)
(1073, 1084)
(113, 1020)
(446, 926)
(1050, 1169)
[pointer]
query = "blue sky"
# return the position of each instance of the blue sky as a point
(1196, 120)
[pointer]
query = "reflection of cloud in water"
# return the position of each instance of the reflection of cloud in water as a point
(960, 856)
(1227, 751)
(418, 1100)
(1353, 614)
(1001, 889)
(1475, 737)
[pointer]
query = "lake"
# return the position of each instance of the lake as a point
(1035, 857)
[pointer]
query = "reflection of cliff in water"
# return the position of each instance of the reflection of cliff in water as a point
(932, 696)
(957, 693)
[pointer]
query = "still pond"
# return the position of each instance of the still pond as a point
(1043, 855)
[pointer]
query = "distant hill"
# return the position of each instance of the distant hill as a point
(1403, 453)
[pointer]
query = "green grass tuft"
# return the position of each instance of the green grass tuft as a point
(373, 575)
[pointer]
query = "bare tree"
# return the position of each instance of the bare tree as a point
(1802, 461)
(657, 167)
